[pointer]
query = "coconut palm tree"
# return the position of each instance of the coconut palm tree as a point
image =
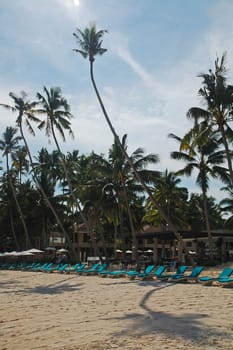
(26, 114)
(57, 111)
(90, 45)
(203, 155)
(8, 145)
(218, 98)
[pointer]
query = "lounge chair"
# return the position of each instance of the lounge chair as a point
(226, 282)
(150, 276)
(80, 268)
(208, 280)
(193, 276)
(70, 269)
(180, 271)
(91, 269)
(148, 270)
(96, 270)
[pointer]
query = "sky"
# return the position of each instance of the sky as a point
(147, 78)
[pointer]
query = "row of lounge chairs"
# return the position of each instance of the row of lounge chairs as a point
(151, 272)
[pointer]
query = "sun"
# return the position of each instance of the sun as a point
(76, 3)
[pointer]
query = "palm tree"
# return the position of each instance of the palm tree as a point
(8, 145)
(202, 154)
(171, 197)
(26, 111)
(90, 43)
(20, 161)
(57, 111)
(218, 97)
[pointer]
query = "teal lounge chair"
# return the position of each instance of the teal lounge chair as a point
(193, 276)
(80, 268)
(70, 269)
(149, 276)
(133, 274)
(180, 271)
(226, 282)
(95, 271)
(224, 275)
(91, 269)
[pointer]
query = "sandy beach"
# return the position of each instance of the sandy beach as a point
(72, 312)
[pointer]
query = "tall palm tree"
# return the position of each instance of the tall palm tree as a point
(57, 111)
(218, 98)
(26, 114)
(90, 43)
(202, 154)
(8, 145)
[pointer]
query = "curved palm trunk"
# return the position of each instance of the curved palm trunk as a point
(228, 154)
(140, 180)
(134, 238)
(75, 199)
(44, 194)
(13, 230)
(27, 239)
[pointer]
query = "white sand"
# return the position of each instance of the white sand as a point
(56, 311)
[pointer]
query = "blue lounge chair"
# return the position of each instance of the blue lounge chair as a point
(95, 271)
(226, 282)
(193, 276)
(180, 271)
(70, 269)
(224, 275)
(91, 269)
(133, 274)
(80, 268)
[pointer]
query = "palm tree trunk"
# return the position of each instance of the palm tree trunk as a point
(134, 238)
(227, 151)
(27, 239)
(75, 199)
(45, 196)
(140, 180)
(13, 230)
(210, 238)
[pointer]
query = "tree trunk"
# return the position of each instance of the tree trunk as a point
(44, 194)
(146, 189)
(227, 151)
(27, 239)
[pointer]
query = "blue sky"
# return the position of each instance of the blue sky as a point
(147, 78)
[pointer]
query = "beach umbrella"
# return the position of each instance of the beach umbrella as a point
(52, 249)
(119, 251)
(63, 250)
(128, 251)
(34, 251)
(24, 253)
(149, 251)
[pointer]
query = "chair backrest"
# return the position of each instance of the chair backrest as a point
(149, 268)
(159, 270)
(226, 272)
(196, 271)
(181, 270)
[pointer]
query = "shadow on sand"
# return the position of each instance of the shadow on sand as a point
(188, 326)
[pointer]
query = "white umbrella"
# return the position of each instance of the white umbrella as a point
(50, 248)
(34, 251)
(118, 251)
(149, 251)
(128, 251)
(63, 250)
(25, 253)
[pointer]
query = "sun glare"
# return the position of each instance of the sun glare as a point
(76, 2)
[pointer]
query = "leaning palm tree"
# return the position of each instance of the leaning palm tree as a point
(90, 45)
(218, 99)
(26, 114)
(8, 145)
